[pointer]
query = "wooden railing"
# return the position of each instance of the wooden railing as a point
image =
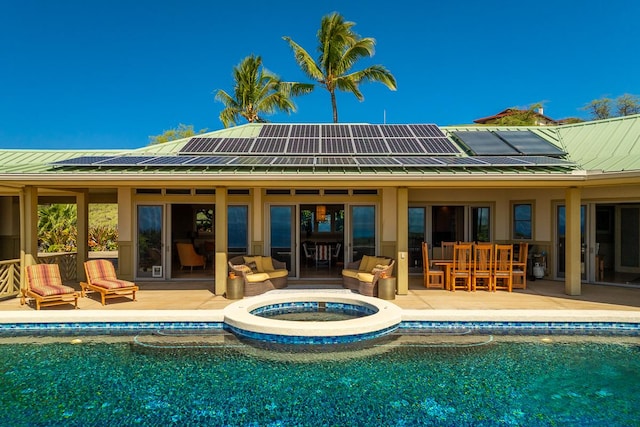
(9, 278)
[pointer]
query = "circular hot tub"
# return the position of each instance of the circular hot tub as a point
(312, 317)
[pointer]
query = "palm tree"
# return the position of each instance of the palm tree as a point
(257, 92)
(340, 48)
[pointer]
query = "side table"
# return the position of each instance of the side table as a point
(235, 287)
(387, 288)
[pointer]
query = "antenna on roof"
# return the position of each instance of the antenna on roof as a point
(384, 117)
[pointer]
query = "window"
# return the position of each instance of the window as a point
(522, 221)
(238, 229)
(204, 221)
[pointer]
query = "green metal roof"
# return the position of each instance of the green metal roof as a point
(607, 145)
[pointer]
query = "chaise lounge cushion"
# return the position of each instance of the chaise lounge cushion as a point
(49, 275)
(112, 283)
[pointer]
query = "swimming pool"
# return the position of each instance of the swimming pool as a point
(404, 379)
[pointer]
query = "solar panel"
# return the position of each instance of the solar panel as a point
(234, 145)
(370, 145)
(366, 131)
(335, 161)
(274, 131)
(252, 160)
(405, 146)
(377, 161)
(506, 161)
(439, 146)
(303, 146)
(81, 161)
(269, 145)
(427, 131)
(305, 131)
(396, 131)
(167, 160)
(124, 160)
(462, 161)
(529, 143)
(200, 145)
(547, 161)
(485, 143)
(208, 160)
(419, 161)
(294, 161)
(339, 131)
(336, 146)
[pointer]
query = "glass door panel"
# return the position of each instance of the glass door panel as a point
(629, 234)
(283, 235)
(481, 224)
(417, 230)
(561, 243)
(363, 231)
(238, 230)
(448, 224)
(150, 238)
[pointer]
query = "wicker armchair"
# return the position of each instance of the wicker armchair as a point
(265, 279)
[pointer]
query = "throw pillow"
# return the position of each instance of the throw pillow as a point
(253, 266)
(243, 268)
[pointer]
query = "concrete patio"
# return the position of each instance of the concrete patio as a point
(539, 295)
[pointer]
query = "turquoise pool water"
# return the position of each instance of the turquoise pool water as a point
(402, 380)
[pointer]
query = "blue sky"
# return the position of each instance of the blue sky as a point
(108, 74)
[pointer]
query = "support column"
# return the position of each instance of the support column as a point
(28, 230)
(82, 226)
(126, 257)
(573, 246)
(221, 241)
(402, 236)
(257, 216)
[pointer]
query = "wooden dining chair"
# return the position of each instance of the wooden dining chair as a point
(432, 278)
(482, 266)
(520, 267)
(446, 250)
(503, 268)
(461, 268)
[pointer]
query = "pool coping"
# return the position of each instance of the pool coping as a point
(443, 315)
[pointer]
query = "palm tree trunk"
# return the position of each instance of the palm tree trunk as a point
(334, 105)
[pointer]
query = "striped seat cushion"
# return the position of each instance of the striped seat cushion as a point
(45, 280)
(49, 290)
(100, 269)
(111, 283)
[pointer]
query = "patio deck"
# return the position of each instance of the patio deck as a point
(539, 295)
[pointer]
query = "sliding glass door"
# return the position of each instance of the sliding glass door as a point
(150, 260)
(283, 236)
(363, 231)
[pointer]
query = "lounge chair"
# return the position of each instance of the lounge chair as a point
(44, 285)
(101, 277)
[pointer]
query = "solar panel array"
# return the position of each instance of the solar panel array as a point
(346, 146)
(507, 143)
(320, 139)
(190, 162)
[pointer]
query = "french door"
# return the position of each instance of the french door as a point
(150, 260)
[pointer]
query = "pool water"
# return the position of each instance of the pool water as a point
(400, 381)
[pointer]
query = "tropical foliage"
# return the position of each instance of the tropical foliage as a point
(256, 93)
(340, 48)
(57, 228)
